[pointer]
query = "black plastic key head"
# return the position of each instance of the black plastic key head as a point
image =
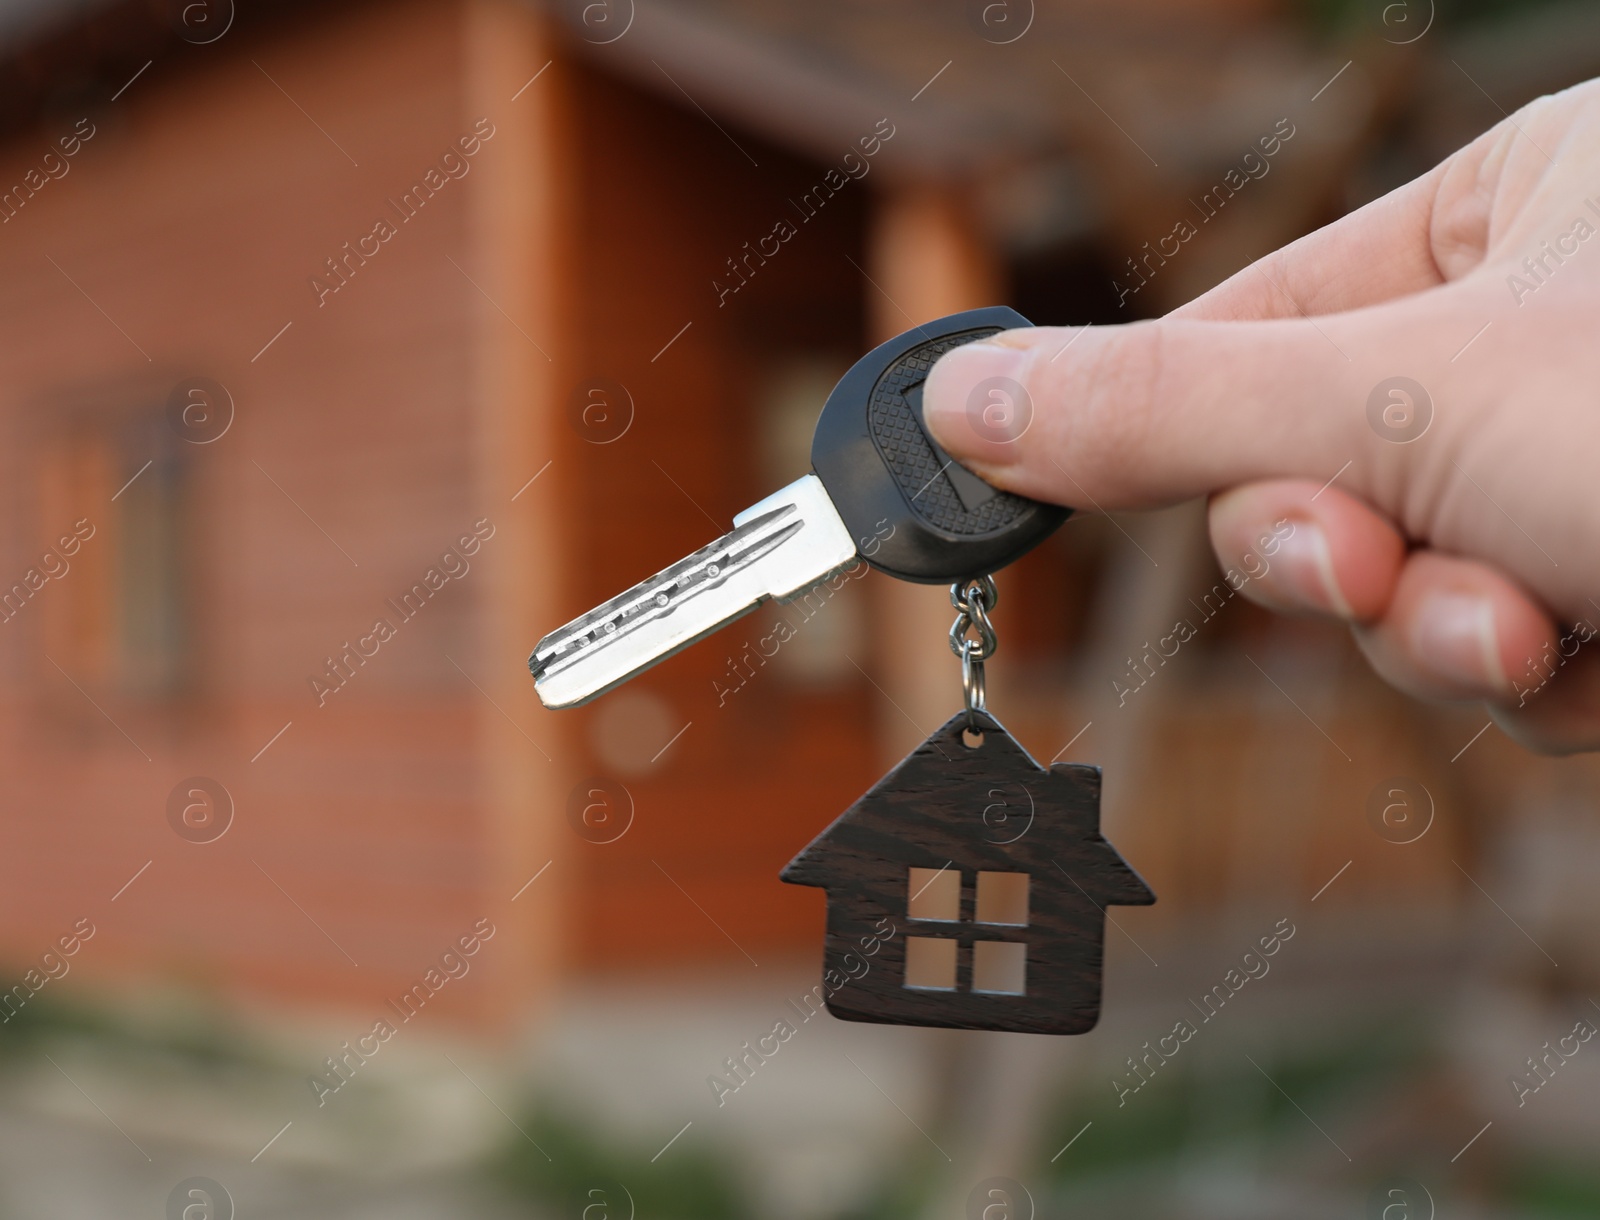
(914, 512)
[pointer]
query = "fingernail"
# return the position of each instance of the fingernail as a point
(975, 404)
(1454, 637)
(1306, 562)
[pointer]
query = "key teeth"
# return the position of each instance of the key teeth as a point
(729, 554)
(720, 582)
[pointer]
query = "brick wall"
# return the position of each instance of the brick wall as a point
(190, 226)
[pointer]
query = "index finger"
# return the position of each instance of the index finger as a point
(1376, 253)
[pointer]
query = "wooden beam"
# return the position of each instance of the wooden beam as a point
(926, 258)
(515, 254)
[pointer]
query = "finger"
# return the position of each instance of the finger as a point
(1456, 629)
(1431, 230)
(1308, 548)
(1154, 412)
(1378, 252)
(1557, 709)
(1249, 356)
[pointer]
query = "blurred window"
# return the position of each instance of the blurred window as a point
(119, 619)
(827, 625)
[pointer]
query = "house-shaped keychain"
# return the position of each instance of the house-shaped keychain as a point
(968, 889)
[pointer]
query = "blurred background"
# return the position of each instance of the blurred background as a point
(350, 347)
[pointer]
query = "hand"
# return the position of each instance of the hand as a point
(1453, 554)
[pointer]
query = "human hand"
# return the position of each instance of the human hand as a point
(1452, 553)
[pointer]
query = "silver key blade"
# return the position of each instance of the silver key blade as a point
(779, 548)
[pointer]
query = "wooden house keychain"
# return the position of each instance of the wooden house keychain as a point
(980, 877)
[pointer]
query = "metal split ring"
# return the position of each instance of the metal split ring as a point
(973, 599)
(973, 690)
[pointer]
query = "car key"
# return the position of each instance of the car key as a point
(881, 489)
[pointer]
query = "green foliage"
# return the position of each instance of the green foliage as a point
(902, 1194)
(578, 1169)
(1212, 1097)
(1208, 1103)
(189, 1032)
(1553, 1189)
(1337, 18)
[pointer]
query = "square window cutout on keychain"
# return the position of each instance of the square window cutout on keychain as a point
(987, 871)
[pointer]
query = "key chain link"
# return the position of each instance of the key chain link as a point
(973, 599)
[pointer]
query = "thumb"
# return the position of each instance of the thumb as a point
(1150, 413)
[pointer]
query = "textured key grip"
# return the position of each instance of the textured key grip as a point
(913, 512)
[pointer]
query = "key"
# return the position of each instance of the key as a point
(880, 489)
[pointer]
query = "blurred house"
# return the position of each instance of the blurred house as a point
(357, 346)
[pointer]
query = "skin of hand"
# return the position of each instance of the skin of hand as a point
(1453, 522)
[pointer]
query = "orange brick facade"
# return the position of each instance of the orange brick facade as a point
(391, 392)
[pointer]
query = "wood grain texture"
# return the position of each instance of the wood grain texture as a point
(989, 808)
